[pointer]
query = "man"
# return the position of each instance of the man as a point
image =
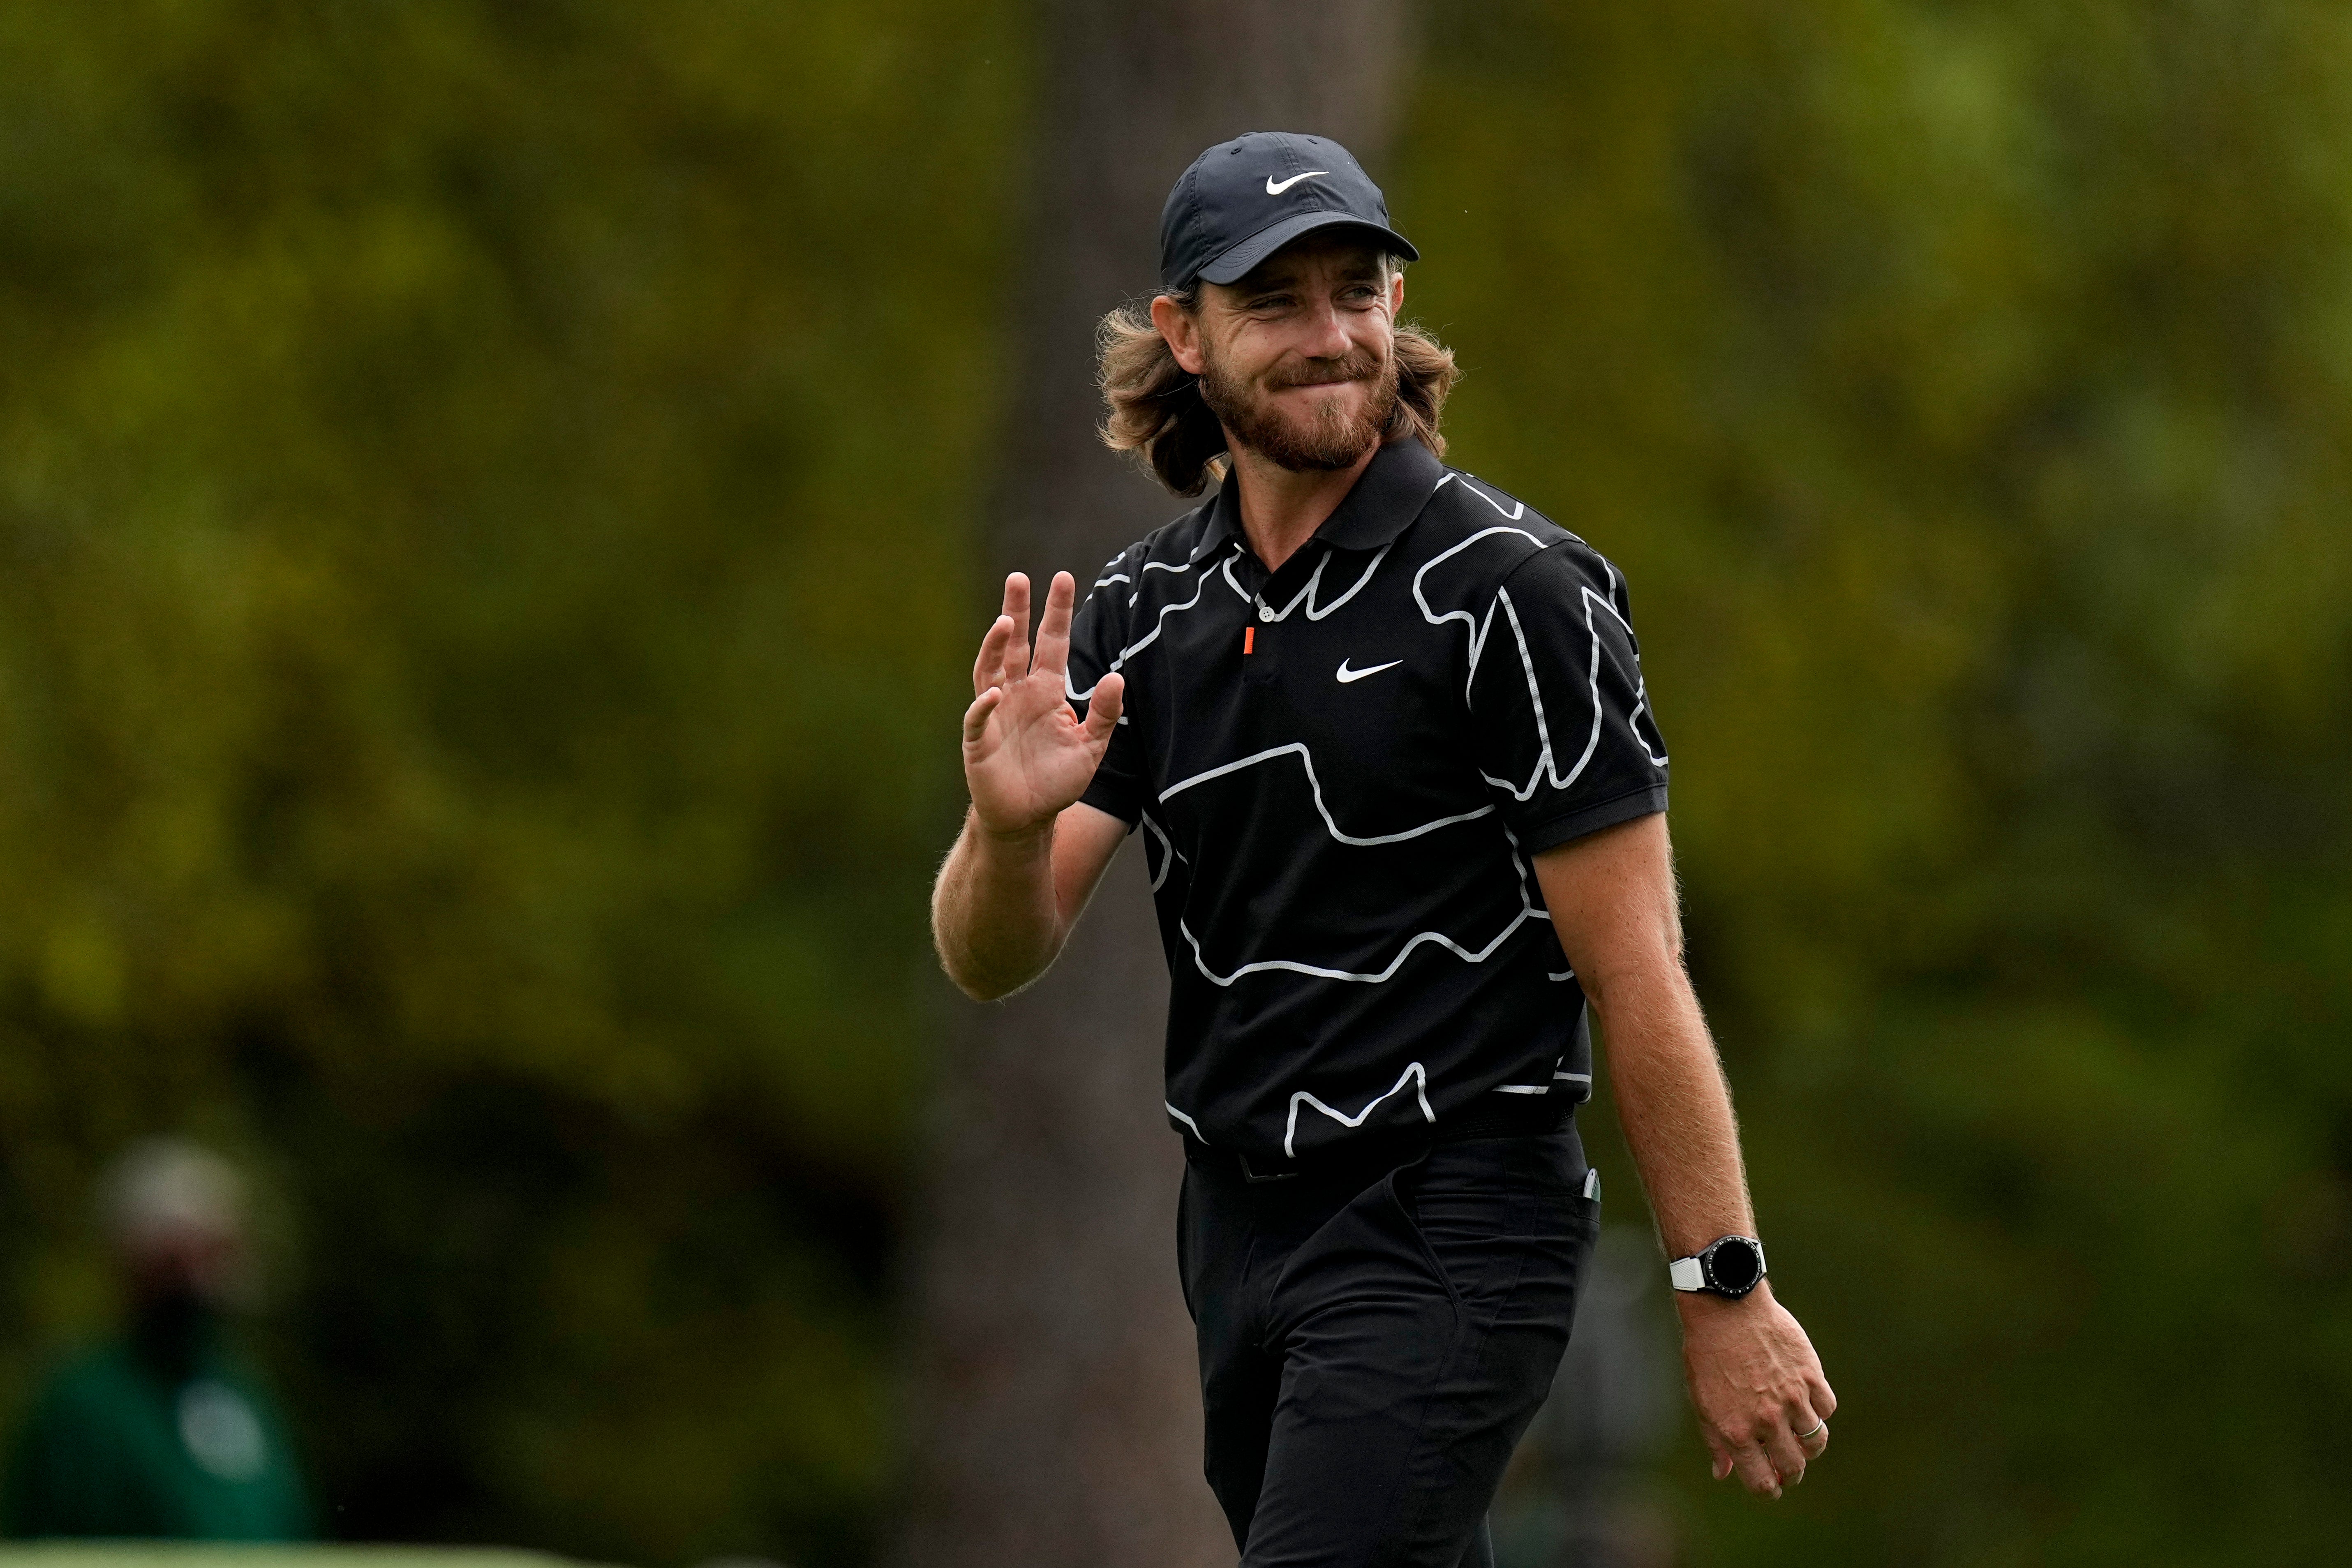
(1403, 803)
(162, 1434)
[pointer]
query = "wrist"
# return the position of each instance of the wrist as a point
(1730, 1266)
(1698, 1307)
(1017, 839)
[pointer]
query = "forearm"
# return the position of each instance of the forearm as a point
(995, 918)
(1761, 1398)
(1674, 1108)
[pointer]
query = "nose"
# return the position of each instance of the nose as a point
(1326, 333)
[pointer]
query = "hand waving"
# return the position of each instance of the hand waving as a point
(1026, 755)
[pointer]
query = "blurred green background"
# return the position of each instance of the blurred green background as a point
(491, 504)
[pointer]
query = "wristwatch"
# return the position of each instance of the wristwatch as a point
(1729, 1266)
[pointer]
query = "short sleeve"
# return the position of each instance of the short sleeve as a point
(1561, 720)
(1096, 635)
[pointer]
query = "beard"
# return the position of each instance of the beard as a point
(1329, 435)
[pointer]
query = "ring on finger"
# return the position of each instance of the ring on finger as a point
(1818, 1427)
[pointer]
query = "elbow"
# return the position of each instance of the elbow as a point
(961, 972)
(976, 980)
(1621, 977)
(989, 962)
(979, 989)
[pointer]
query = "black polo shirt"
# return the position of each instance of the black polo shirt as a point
(1342, 769)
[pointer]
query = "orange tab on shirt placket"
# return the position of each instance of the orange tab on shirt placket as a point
(1249, 639)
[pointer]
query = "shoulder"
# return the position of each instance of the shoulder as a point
(1147, 573)
(1474, 538)
(1170, 546)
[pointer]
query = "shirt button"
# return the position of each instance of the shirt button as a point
(1266, 612)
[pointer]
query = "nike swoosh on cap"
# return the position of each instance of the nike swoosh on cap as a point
(1346, 675)
(1273, 190)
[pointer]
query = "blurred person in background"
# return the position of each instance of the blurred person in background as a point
(1387, 883)
(162, 1433)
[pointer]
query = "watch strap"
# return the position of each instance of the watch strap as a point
(1686, 1274)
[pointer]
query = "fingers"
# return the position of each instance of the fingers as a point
(1103, 712)
(1054, 631)
(1016, 608)
(1777, 1453)
(1785, 1456)
(988, 670)
(1757, 1472)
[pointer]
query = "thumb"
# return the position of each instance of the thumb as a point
(1103, 710)
(975, 718)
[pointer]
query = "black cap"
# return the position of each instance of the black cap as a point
(1242, 200)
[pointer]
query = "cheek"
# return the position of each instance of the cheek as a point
(1248, 365)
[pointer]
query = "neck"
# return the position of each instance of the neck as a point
(1282, 508)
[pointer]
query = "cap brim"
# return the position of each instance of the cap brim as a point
(1239, 258)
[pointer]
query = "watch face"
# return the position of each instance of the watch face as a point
(1732, 1266)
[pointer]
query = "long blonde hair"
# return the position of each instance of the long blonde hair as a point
(1156, 410)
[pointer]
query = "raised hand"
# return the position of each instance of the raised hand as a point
(1026, 755)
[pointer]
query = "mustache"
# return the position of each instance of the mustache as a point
(1359, 365)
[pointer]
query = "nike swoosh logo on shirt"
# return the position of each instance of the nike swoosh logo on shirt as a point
(1346, 675)
(1273, 190)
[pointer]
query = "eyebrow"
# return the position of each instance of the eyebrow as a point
(1252, 284)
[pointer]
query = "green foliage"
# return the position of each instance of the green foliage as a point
(1962, 387)
(483, 494)
(484, 502)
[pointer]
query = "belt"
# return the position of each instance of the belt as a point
(1508, 1116)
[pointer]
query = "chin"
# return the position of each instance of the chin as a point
(1308, 420)
(1344, 397)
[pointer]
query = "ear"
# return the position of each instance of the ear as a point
(1181, 330)
(1396, 294)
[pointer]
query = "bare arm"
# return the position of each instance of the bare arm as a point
(1003, 906)
(1753, 1375)
(1030, 855)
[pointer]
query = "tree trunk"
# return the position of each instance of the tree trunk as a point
(1057, 1403)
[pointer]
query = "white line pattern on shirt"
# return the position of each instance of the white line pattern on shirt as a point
(1070, 690)
(1306, 595)
(1546, 768)
(1528, 912)
(1518, 508)
(1167, 849)
(1413, 1074)
(1315, 787)
(1479, 629)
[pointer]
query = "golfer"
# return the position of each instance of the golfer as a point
(1402, 800)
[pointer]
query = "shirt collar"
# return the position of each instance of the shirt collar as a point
(1387, 495)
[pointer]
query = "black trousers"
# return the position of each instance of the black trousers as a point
(1373, 1344)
